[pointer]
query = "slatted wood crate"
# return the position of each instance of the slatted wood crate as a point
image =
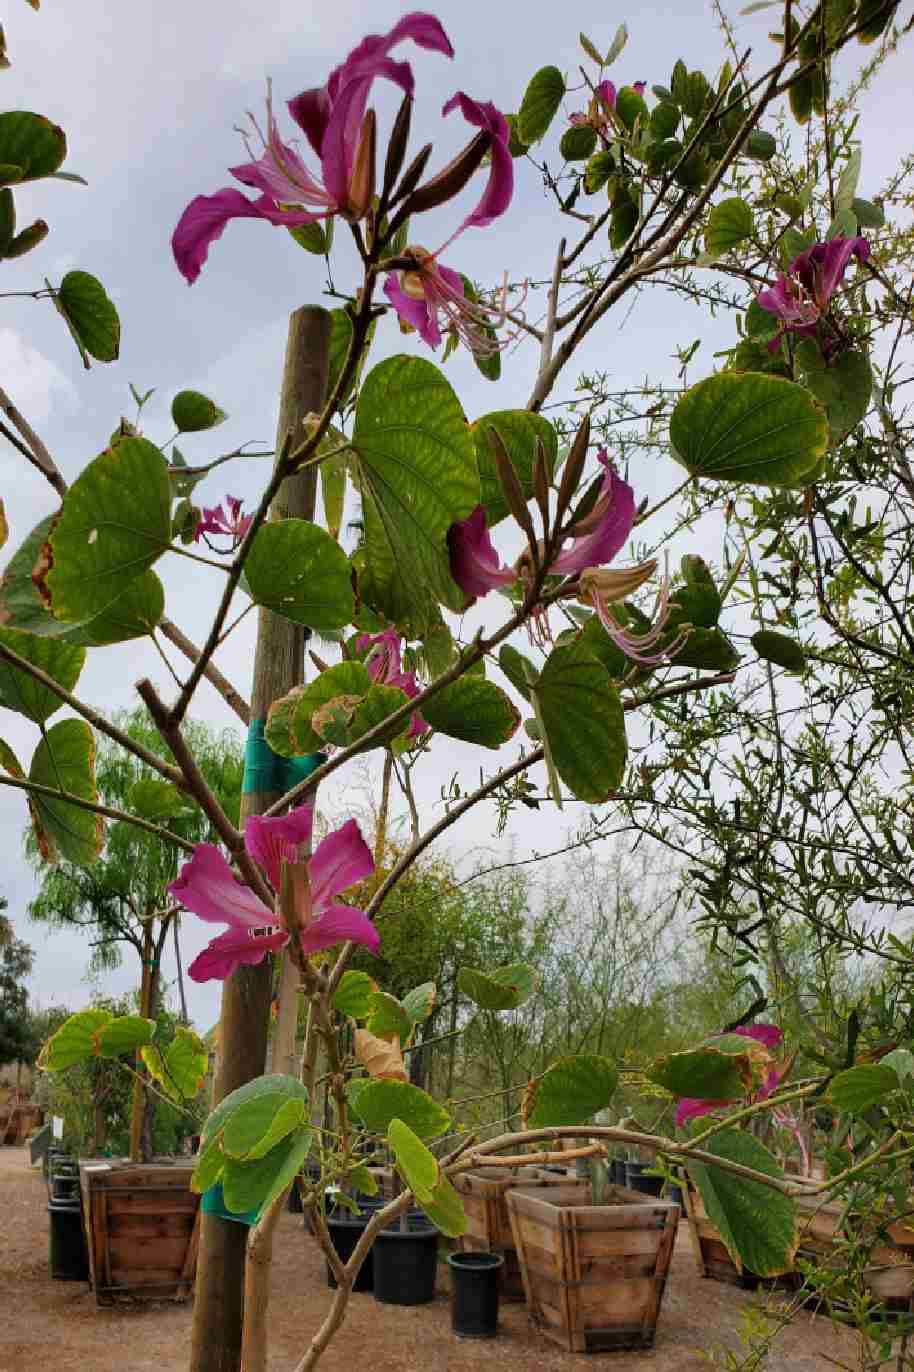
(594, 1275)
(890, 1277)
(488, 1222)
(142, 1226)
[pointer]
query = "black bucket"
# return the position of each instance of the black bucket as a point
(345, 1231)
(406, 1264)
(635, 1179)
(674, 1193)
(474, 1294)
(617, 1172)
(68, 1257)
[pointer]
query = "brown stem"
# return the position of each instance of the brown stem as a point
(109, 811)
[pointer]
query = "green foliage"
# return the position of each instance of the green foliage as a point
(859, 1088)
(289, 731)
(65, 760)
(17, 1040)
(91, 317)
(417, 1166)
(181, 1069)
(756, 1223)
(779, 649)
(379, 1102)
(354, 994)
(540, 104)
(578, 143)
(93, 1034)
(297, 570)
(420, 1002)
(474, 710)
(842, 386)
(193, 412)
(570, 1091)
(505, 988)
(63, 662)
(519, 432)
(729, 224)
(31, 147)
(387, 1016)
(709, 1073)
(581, 715)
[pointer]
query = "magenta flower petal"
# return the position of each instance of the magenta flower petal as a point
(787, 303)
(383, 661)
(202, 223)
(499, 189)
(271, 840)
(416, 313)
(337, 924)
(341, 859)
(639, 86)
(474, 562)
(821, 268)
(768, 1034)
(205, 885)
(690, 1109)
(311, 112)
(234, 948)
(607, 93)
(615, 511)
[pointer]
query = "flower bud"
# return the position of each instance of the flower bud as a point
(510, 486)
(451, 180)
(396, 148)
(574, 466)
(361, 183)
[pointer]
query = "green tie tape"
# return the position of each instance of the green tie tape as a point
(213, 1203)
(266, 771)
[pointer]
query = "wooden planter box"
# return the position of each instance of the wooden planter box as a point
(890, 1278)
(488, 1222)
(142, 1226)
(594, 1275)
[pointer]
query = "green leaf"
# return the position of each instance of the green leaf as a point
(314, 238)
(598, 171)
(616, 46)
(540, 104)
(416, 1164)
(872, 17)
(631, 107)
(134, 614)
(578, 142)
(297, 570)
(75, 1040)
(846, 188)
(696, 94)
(156, 799)
(21, 692)
(859, 1088)
(186, 1062)
(708, 1073)
(623, 222)
(253, 1185)
(250, 1127)
(275, 1088)
(417, 475)
(844, 225)
(445, 1210)
(9, 761)
(363, 1179)
(779, 649)
(519, 670)
(31, 143)
(664, 120)
(288, 729)
(699, 598)
(516, 146)
(709, 650)
(378, 705)
(756, 1223)
(581, 712)
(420, 1002)
(519, 431)
(125, 1034)
(388, 1017)
(91, 316)
(761, 146)
(115, 522)
(505, 988)
(591, 50)
(748, 427)
(571, 1091)
(340, 339)
(729, 224)
(901, 1061)
(65, 760)
(291, 1117)
(474, 710)
(193, 412)
(801, 96)
(353, 995)
(868, 214)
(333, 471)
(842, 386)
(210, 1166)
(380, 1101)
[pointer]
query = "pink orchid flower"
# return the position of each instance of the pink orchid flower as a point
(207, 887)
(430, 297)
(769, 1035)
(385, 665)
(800, 299)
(215, 521)
(340, 129)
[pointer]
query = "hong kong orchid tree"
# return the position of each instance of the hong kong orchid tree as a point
(432, 484)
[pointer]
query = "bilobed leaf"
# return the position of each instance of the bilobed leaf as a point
(749, 427)
(378, 705)
(616, 46)
(757, 1224)
(420, 1001)
(210, 1166)
(512, 663)
(288, 727)
(729, 224)
(779, 649)
(31, 143)
(761, 145)
(252, 1185)
(699, 598)
(314, 238)
(21, 692)
(65, 760)
(709, 650)
(274, 1087)
(664, 119)
(867, 213)
(250, 1124)
(75, 1040)
(504, 988)
(570, 1091)
(388, 1017)
(90, 315)
(340, 339)
(631, 107)
(297, 570)
(901, 1061)
(186, 1062)
(578, 142)
(581, 711)
(353, 995)
(708, 1073)
(415, 468)
(193, 412)
(474, 710)
(124, 1034)
(115, 522)
(519, 431)
(540, 104)
(843, 386)
(855, 1090)
(134, 614)
(846, 188)
(445, 1210)
(291, 1117)
(416, 1164)
(156, 799)
(379, 1102)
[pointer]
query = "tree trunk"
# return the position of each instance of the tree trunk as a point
(137, 1118)
(278, 666)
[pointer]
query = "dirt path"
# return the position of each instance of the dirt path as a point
(54, 1326)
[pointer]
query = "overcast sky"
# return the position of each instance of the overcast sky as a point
(149, 97)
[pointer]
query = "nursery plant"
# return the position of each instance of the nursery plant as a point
(533, 510)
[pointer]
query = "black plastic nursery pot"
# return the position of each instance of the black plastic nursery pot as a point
(635, 1179)
(474, 1294)
(406, 1263)
(68, 1256)
(345, 1230)
(617, 1172)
